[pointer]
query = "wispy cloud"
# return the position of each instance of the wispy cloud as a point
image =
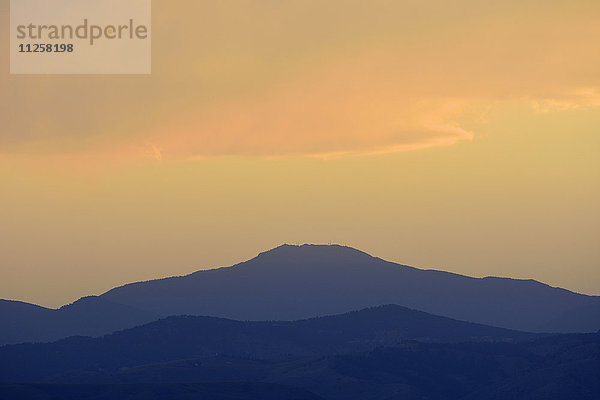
(577, 99)
(262, 83)
(155, 152)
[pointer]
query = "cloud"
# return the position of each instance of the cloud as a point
(352, 106)
(582, 98)
(311, 79)
(154, 152)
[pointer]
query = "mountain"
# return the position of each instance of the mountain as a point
(184, 337)
(296, 282)
(155, 391)
(89, 316)
(584, 318)
(355, 356)
(553, 368)
(299, 282)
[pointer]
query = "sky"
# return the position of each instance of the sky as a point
(461, 136)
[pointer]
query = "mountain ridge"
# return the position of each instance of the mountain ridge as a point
(278, 275)
(181, 337)
(292, 282)
(288, 246)
(381, 353)
(90, 315)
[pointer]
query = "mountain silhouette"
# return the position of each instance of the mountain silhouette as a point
(184, 337)
(88, 316)
(296, 282)
(299, 282)
(381, 353)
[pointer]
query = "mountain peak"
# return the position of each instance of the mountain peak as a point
(293, 282)
(317, 251)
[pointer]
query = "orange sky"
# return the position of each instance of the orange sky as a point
(461, 136)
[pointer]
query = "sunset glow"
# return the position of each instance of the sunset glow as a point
(457, 135)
